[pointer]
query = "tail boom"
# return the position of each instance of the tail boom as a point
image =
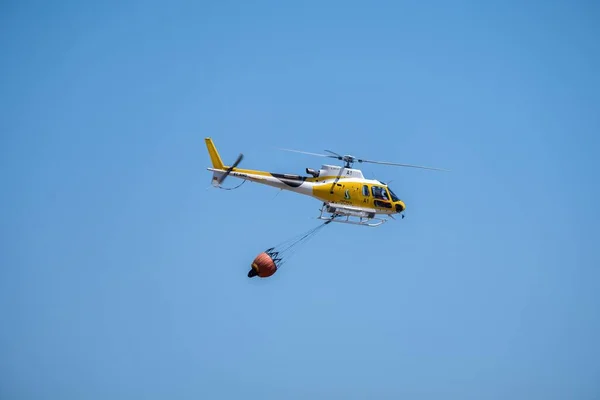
(280, 181)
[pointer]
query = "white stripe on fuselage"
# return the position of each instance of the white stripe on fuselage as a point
(304, 187)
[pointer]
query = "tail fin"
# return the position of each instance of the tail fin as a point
(215, 158)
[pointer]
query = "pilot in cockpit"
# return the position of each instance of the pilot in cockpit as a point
(380, 193)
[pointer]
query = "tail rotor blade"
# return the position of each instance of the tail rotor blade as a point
(237, 161)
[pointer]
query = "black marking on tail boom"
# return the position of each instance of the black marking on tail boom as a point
(290, 180)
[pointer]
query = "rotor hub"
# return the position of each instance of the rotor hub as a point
(349, 160)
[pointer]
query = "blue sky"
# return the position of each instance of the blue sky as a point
(124, 277)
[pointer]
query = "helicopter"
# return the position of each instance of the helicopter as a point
(346, 195)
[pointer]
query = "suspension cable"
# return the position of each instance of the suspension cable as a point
(294, 243)
(233, 188)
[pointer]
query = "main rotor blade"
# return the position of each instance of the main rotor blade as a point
(306, 152)
(402, 165)
(339, 157)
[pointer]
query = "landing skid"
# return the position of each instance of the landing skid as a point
(354, 218)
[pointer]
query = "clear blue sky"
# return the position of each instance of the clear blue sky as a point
(123, 277)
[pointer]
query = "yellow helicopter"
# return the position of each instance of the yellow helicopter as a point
(347, 196)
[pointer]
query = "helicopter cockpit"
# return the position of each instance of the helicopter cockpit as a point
(398, 204)
(379, 192)
(393, 195)
(386, 194)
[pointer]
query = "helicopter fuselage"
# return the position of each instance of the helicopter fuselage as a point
(332, 184)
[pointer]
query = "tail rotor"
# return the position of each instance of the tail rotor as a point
(221, 178)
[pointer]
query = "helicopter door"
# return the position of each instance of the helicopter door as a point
(381, 196)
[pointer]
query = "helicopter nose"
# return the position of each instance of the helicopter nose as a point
(400, 206)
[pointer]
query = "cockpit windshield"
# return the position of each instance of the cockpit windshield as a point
(394, 197)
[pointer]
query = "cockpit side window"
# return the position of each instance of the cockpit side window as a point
(365, 191)
(379, 192)
(394, 197)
